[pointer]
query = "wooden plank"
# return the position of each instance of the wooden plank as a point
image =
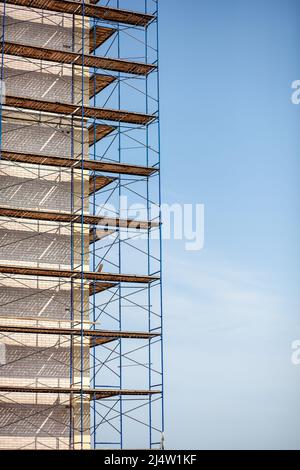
(93, 394)
(99, 234)
(101, 394)
(73, 110)
(96, 335)
(98, 35)
(98, 132)
(99, 82)
(92, 11)
(97, 287)
(99, 182)
(68, 217)
(97, 341)
(73, 58)
(92, 165)
(86, 275)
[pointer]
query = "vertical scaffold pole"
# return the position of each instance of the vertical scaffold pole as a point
(120, 238)
(82, 362)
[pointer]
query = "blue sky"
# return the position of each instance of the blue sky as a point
(231, 140)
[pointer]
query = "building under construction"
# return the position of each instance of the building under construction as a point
(80, 232)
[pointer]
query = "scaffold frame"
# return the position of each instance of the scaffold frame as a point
(78, 239)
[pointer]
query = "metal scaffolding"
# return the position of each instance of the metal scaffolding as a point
(81, 356)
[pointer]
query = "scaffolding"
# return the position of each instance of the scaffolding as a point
(81, 344)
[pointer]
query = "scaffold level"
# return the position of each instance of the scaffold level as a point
(105, 63)
(93, 394)
(97, 337)
(74, 110)
(92, 165)
(95, 276)
(77, 218)
(77, 8)
(81, 321)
